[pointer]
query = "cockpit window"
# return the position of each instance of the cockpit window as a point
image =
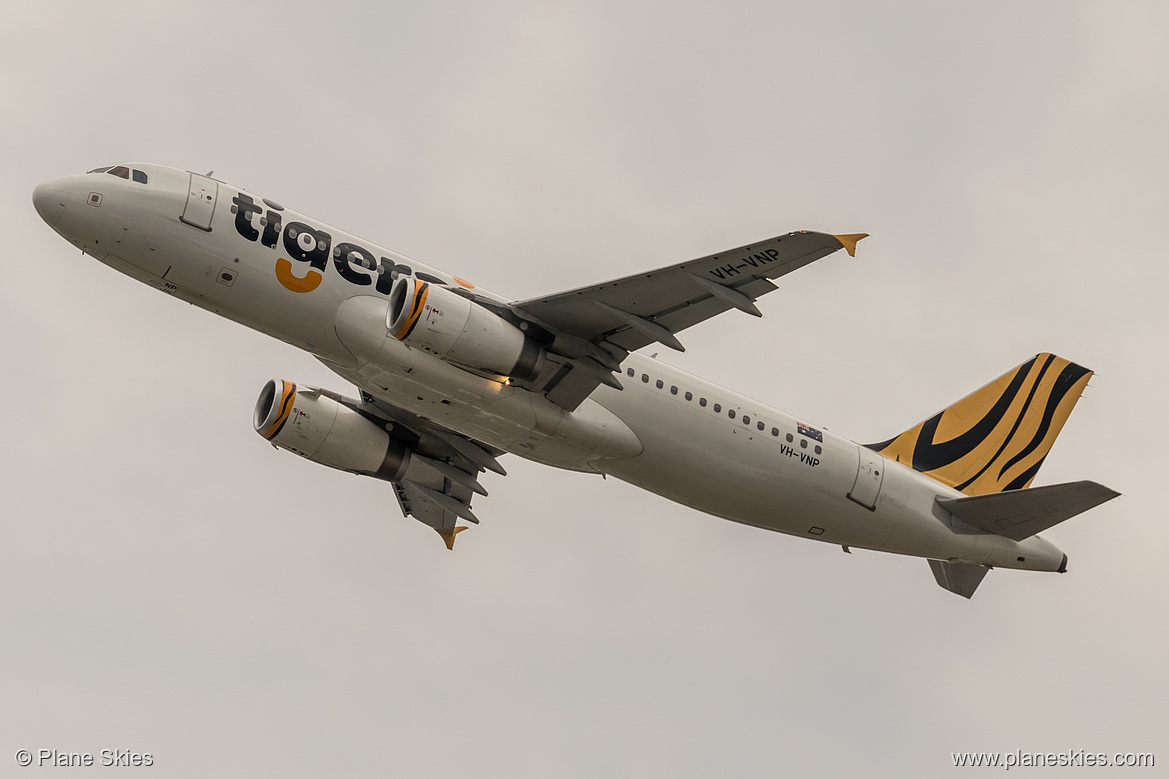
(121, 171)
(100, 170)
(140, 177)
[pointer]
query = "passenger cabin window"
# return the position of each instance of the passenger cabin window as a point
(645, 378)
(121, 172)
(730, 412)
(702, 402)
(775, 432)
(630, 372)
(760, 425)
(689, 396)
(717, 408)
(789, 438)
(659, 384)
(673, 390)
(140, 177)
(746, 420)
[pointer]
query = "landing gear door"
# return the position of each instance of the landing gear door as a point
(200, 202)
(869, 473)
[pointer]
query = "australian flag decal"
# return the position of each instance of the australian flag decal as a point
(810, 432)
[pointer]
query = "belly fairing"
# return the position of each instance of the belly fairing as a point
(502, 415)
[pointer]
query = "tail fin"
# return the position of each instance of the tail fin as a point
(959, 578)
(996, 438)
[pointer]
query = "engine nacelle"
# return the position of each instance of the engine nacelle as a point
(434, 319)
(319, 428)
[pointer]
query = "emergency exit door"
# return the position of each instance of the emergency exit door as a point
(200, 202)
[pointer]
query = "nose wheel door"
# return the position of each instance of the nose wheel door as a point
(200, 202)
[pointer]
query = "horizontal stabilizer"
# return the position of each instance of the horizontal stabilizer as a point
(959, 578)
(1020, 514)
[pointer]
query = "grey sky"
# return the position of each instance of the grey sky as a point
(170, 584)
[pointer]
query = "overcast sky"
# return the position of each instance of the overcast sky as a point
(171, 584)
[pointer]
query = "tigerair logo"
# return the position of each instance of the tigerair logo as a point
(314, 247)
(310, 246)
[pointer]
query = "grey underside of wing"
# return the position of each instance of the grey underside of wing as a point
(425, 429)
(429, 441)
(415, 504)
(669, 297)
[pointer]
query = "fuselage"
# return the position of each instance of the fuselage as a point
(669, 432)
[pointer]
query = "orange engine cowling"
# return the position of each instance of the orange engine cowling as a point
(436, 320)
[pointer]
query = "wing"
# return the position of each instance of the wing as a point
(442, 477)
(592, 329)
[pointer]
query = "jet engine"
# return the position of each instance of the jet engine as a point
(318, 427)
(435, 319)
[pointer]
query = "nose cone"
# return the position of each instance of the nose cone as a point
(50, 198)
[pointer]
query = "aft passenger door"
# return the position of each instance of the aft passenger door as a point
(200, 202)
(869, 473)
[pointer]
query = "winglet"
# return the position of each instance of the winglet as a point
(849, 241)
(449, 538)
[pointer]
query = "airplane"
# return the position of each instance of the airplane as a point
(451, 377)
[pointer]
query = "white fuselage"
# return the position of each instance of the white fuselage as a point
(668, 432)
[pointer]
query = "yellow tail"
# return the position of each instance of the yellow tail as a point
(995, 439)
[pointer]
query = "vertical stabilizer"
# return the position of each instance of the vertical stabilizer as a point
(959, 578)
(996, 438)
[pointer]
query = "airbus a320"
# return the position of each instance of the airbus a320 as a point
(451, 377)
